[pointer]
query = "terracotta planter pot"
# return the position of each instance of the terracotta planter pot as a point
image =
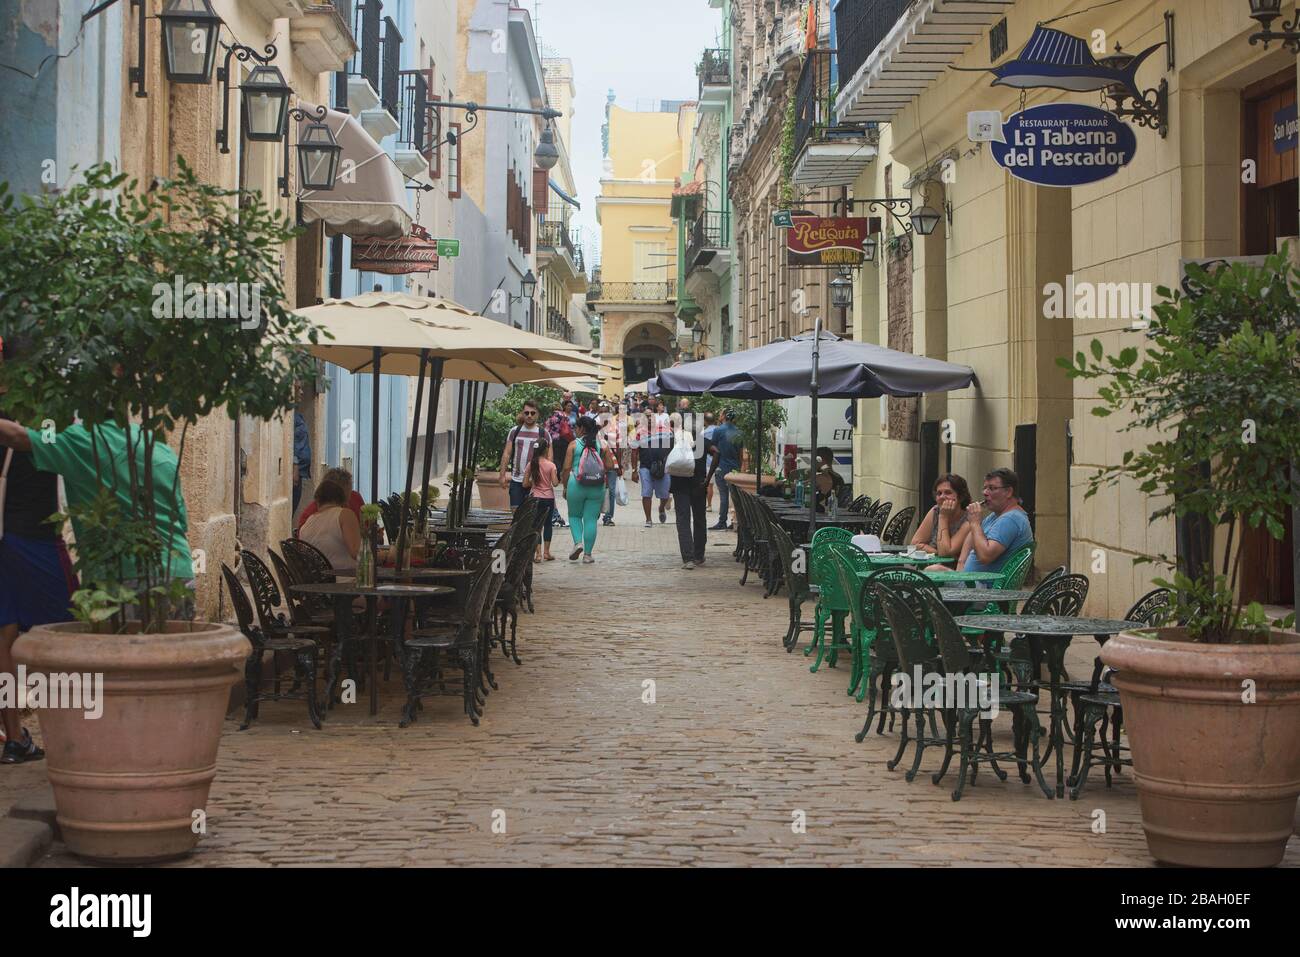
(127, 784)
(490, 492)
(1217, 778)
(745, 480)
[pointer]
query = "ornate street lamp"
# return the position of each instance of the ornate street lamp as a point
(869, 249)
(842, 290)
(189, 34)
(1265, 12)
(318, 153)
(266, 105)
(528, 285)
(924, 220)
(546, 155)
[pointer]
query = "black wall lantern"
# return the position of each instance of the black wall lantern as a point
(265, 98)
(1266, 11)
(869, 248)
(318, 153)
(528, 285)
(243, 54)
(189, 34)
(842, 290)
(924, 220)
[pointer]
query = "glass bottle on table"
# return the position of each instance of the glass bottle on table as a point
(366, 560)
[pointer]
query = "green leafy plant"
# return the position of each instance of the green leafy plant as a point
(151, 307)
(1218, 387)
(786, 158)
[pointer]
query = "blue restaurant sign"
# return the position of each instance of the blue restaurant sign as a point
(1064, 144)
(1286, 135)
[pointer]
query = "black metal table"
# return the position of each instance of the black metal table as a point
(1049, 636)
(343, 593)
(959, 599)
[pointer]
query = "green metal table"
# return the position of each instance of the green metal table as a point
(898, 560)
(962, 577)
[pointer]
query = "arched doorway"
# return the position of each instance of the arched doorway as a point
(647, 348)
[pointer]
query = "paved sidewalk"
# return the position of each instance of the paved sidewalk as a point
(739, 743)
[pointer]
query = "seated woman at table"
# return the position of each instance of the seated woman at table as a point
(334, 528)
(944, 529)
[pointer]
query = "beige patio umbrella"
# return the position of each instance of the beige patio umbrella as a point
(399, 334)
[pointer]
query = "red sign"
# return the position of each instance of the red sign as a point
(825, 241)
(396, 257)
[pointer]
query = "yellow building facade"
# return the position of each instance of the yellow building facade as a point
(647, 155)
(977, 291)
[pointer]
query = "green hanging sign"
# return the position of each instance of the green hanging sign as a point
(449, 248)
(782, 218)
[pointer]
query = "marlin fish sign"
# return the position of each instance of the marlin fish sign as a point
(1062, 61)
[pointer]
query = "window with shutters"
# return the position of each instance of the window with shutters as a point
(648, 260)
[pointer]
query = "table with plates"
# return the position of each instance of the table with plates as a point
(1049, 636)
(343, 592)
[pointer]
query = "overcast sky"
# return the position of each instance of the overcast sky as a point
(642, 49)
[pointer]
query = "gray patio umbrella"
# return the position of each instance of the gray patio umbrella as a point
(815, 364)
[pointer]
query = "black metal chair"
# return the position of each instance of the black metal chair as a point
(1100, 704)
(876, 518)
(959, 717)
(798, 589)
(896, 530)
(881, 658)
(304, 650)
(511, 593)
(916, 659)
(308, 561)
(455, 643)
(860, 504)
(275, 625)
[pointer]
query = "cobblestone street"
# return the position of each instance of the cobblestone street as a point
(739, 739)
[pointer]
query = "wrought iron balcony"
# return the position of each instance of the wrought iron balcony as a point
(557, 326)
(860, 26)
(390, 91)
(366, 18)
(555, 235)
(825, 154)
(633, 291)
(416, 132)
(714, 71)
(708, 235)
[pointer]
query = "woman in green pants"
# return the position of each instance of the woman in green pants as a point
(586, 495)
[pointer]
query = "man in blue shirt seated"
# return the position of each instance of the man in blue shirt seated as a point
(994, 539)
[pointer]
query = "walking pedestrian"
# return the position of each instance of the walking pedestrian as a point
(301, 456)
(710, 426)
(540, 480)
(583, 479)
(688, 497)
(36, 581)
(726, 437)
(515, 454)
(613, 440)
(649, 457)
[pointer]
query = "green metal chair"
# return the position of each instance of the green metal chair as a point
(831, 603)
(850, 565)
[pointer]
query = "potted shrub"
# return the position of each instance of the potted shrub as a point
(1212, 705)
(143, 311)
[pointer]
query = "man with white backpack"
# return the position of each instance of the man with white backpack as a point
(691, 465)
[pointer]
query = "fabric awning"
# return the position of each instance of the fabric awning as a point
(564, 196)
(369, 197)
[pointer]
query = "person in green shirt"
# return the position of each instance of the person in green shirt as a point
(69, 453)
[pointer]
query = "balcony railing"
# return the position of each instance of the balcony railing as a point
(556, 236)
(812, 102)
(390, 91)
(860, 25)
(367, 16)
(714, 68)
(416, 131)
(558, 327)
(635, 292)
(708, 231)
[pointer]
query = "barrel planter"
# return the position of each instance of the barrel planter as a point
(1215, 736)
(490, 493)
(126, 785)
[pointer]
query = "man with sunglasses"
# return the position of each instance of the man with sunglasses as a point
(994, 539)
(518, 450)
